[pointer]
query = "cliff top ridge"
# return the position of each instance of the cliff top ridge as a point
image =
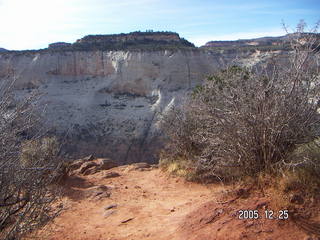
(148, 40)
(263, 43)
(133, 36)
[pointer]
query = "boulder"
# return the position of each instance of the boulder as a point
(142, 166)
(91, 170)
(88, 165)
(98, 192)
(106, 163)
(111, 175)
(85, 166)
(77, 163)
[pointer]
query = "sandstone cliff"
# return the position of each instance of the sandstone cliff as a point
(108, 102)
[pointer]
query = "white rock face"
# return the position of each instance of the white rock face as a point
(108, 103)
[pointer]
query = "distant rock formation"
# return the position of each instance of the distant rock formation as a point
(59, 45)
(125, 41)
(3, 50)
(265, 41)
(282, 43)
(265, 44)
(132, 37)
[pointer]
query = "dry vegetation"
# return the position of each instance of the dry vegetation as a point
(255, 125)
(261, 123)
(28, 167)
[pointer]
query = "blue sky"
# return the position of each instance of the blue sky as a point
(32, 24)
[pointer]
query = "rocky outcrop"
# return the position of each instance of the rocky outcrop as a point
(133, 37)
(87, 166)
(135, 41)
(266, 44)
(109, 103)
(265, 41)
(59, 45)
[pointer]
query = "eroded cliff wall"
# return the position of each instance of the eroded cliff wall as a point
(108, 103)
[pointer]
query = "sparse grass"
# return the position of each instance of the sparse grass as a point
(38, 149)
(303, 179)
(283, 187)
(180, 166)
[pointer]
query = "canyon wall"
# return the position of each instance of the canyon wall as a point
(108, 103)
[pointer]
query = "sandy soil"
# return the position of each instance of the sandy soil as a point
(153, 206)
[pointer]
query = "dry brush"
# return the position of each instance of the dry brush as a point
(243, 121)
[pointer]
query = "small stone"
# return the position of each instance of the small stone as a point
(138, 166)
(90, 171)
(99, 192)
(75, 165)
(308, 238)
(88, 158)
(108, 213)
(127, 220)
(297, 199)
(145, 169)
(106, 163)
(111, 175)
(142, 165)
(261, 204)
(89, 166)
(110, 206)
(250, 224)
(85, 166)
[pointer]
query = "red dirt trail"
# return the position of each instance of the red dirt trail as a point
(154, 206)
